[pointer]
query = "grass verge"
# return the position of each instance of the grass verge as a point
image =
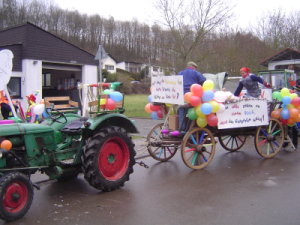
(135, 104)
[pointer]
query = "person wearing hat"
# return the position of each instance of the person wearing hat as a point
(30, 116)
(250, 82)
(190, 76)
(5, 107)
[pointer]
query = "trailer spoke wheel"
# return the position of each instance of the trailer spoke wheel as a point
(159, 151)
(269, 139)
(198, 148)
(232, 143)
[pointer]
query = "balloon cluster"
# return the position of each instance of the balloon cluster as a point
(289, 113)
(156, 111)
(109, 102)
(205, 103)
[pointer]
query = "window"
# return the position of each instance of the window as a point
(109, 67)
(46, 79)
(14, 87)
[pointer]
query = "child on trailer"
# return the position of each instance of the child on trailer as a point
(250, 82)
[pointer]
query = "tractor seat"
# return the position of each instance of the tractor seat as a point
(74, 127)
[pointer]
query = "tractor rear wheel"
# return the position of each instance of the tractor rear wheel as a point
(16, 193)
(108, 158)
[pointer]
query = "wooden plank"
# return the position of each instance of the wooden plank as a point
(72, 103)
(57, 98)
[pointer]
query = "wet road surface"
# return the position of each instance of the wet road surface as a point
(239, 188)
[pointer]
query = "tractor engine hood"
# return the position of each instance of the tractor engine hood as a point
(23, 128)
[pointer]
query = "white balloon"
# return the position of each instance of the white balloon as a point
(222, 108)
(39, 109)
(220, 96)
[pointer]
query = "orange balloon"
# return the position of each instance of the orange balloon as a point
(6, 144)
(293, 113)
(275, 114)
(147, 108)
(187, 97)
(298, 118)
(291, 121)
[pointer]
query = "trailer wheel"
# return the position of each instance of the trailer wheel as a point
(16, 194)
(198, 148)
(269, 139)
(160, 152)
(108, 158)
(232, 143)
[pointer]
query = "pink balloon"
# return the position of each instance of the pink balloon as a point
(195, 100)
(110, 104)
(154, 107)
(212, 120)
(197, 90)
(160, 114)
(296, 101)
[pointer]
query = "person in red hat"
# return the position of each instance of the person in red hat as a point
(30, 116)
(250, 83)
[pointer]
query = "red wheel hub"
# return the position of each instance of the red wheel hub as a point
(113, 159)
(15, 197)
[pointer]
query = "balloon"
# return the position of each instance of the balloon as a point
(195, 100)
(102, 101)
(154, 107)
(284, 92)
(297, 118)
(276, 95)
(199, 112)
(284, 122)
(160, 114)
(289, 106)
(293, 113)
(110, 104)
(220, 96)
(149, 98)
(107, 91)
(222, 108)
(39, 109)
(6, 144)
(293, 95)
(154, 115)
(208, 85)
(148, 108)
(201, 122)
(212, 120)
(291, 121)
(296, 101)
(207, 96)
(116, 96)
(206, 108)
(197, 90)
(215, 106)
(285, 114)
(187, 96)
(286, 100)
(275, 114)
(192, 115)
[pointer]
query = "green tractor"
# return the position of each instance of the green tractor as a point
(62, 146)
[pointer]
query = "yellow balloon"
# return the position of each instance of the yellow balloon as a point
(201, 122)
(102, 101)
(284, 92)
(290, 106)
(199, 112)
(208, 85)
(215, 106)
(294, 95)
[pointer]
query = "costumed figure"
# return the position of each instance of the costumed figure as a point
(30, 115)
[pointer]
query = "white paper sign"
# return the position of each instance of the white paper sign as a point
(167, 89)
(244, 113)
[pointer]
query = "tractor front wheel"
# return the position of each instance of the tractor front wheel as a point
(108, 158)
(16, 194)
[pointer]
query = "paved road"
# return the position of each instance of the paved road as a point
(237, 188)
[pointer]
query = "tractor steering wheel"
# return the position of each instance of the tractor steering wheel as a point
(56, 116)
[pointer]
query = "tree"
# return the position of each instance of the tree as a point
(191, 21)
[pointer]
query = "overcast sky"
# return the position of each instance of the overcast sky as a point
(246, 11)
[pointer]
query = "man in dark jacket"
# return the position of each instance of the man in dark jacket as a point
(190, 76)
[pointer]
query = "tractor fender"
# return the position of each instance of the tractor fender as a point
(111, 119)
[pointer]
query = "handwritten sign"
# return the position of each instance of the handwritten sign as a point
(167, 89)
(244, 113)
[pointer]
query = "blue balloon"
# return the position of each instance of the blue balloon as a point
(286, 100)
(206, 108)
(154, 116)
(207, 96)
(116, 96)
(285, 114)
(149, 98)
